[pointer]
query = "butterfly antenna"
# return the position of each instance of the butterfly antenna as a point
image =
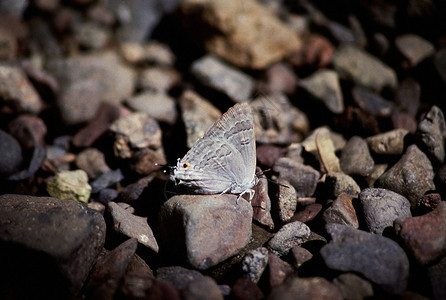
(262, 174)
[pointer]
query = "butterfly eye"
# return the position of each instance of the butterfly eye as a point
(186, 165)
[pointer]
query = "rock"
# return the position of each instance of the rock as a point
(302, 177)
(132, 226)
(245, 289)
(91, 35)
(306, 288)
(217, 227)
(436, 275)
(407, 96)
(377, 258)
(294, 152)
(106, 180)
(315, 50)
(356, 158)
(261, 204)
(46, 241)
(286, 200)
(353, 286)
(381, 207)
(403, 120)
(342, 212)
(268, 154)
(324, 85)
(11, 158)
(432, 134)
(213, 73)
(430, 201)
(326, 152)
(138, 280)
(106, 114)
(106, 195)
(246, 34)
(179, 277)
(159, 79)
(157, 105)
(388, 143)
(198, 115)
(290, 235)
(411, 176)
(79, 100)
(277, 121)
(133, 191)
(109, 270)
(371, 102)
(15, 9)
(147, 161)
(279, 270)
(279, 78)
(254, 263)
(424, 235)
(363, 68)
(338, 183)
(17, 91)
(30, 131)
(300, 256)
(308, 213)
(414, 48)
(152, 52)
(135, 131)
(92, 161)
(310, 146)
(440, 62)
(71, 185)
(204, 289)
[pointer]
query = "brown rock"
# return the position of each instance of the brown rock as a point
(245, 289)
(261, 204)
(306, 288)
(300, 255)
(315, 50)
(388, 143)
(309, 213)
(147, 161)
(268, 154)
(279, 270)
(342, 212)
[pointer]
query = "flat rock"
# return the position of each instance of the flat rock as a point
(382, 207)
(377, 258)
(132, 226)
(106, 180)
(302, 177)
(306, 288)
(204, 229)
(92, 161)
(371, 102)
(198, 115)
(388, 143)
(156, 104)
(215, 74)
(290, 235)
(152, 52)
(432, 134)
(414, 48)
(286, 200)
(338, 183)
(309, 144)
(411, 176)
(247, 34)
(324, 85)
(254, 263)
(71, 185)
(363, 68)
(342, 212)
(424, 235)
(160, 79)
(79, 100)
(46, 240)
(355, 158)
(326, 152)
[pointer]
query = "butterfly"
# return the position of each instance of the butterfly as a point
(224, 159)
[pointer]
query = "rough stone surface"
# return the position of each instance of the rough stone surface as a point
(432, 134)
(279, 270)
(286, 200)
(205, 288)
(261, 204)
(424, 235)
(300, 255)
(249, 35)
(376, 257)
(411, 176)
(414, 48)
(327, 152)
(353, 286)
(71, 185)
(204, 229)
(11, 157)
(356, 158)
(338, 183)
(342, 212)
(381, 207)
(254, 263)
(58, 243)
(212, 72)
(363, 68)
(307, 288)
(92, 161)
(106, 180)
(388, 143)
(245, 289)
(290, 235)
(157, 105)
(132, 226)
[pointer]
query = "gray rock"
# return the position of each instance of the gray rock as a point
(17, 91)
(286, 200)
(306, 288)
(14, 8)
(151, 52)
(91, 35)
(11, 157)
(324, 85)
(381, 207)
(254, 263)
(388, 143)
(215, 74)
(363, 68)
(414, 48)
(342, 212)
(132, 226)
(202, 289)
(411, 176)
(353, 287)
(204, 229)
(79, 100)
(377, 258)
(198, 115)
(303, 178)
(432, 134)
(106, 180)
(159, 78)
(46, 241)
(92, 161)
(356, 159)
(71, 185)
(338, 183)
(157, 105)
(179, 277)
(290, 235)
(371, 102)
(436, 274)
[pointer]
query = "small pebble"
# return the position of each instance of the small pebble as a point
(106, 180)
(156, 104)
(414, 48)
(432, 134)
(306, 288)
(338, 183)
(290, 235)
(254, 263)
(300, 256)
(353, 286)
(388, 143)
(92, 161)
(356, 159)
(71, 185)
(279, 270)
(342, 212)
(11, 158)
